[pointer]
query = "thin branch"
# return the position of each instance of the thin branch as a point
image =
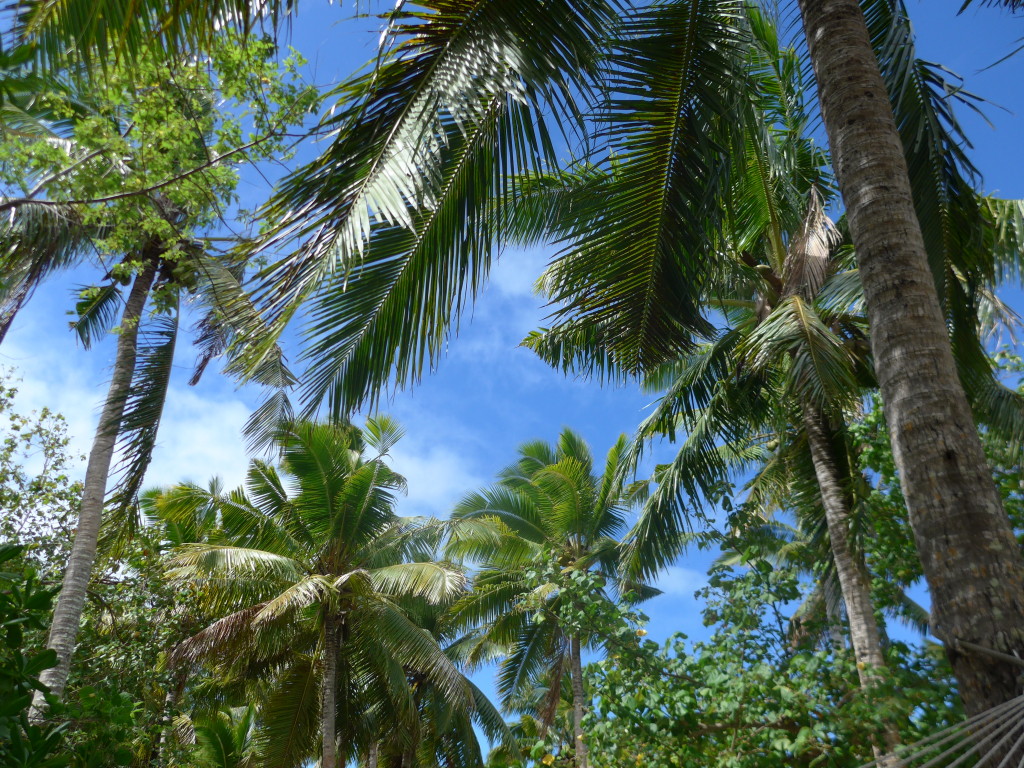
(16, 202)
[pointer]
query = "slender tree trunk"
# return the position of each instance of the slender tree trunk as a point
(174, 690)
(68, 613)
(372, 755)
(853, 581)
(580, 746)
(14, 305)
(329, 711)
(835, 625)
(970, 558)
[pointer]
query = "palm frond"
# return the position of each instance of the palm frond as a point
(435, 582)
(35, 241)
(199, 561)
(638, 264)
(97, 311)
(144, 406)
(394, 218)
(287, 732)
(821, 367)
(109, 30)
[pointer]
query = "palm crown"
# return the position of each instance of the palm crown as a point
(310, 565)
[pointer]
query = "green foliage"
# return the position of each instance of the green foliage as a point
(746, 697)
(38, 499)
(24, 607)
(891, 551)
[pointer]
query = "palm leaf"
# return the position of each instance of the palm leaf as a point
(108, 30)
(634, 268)
(435, 582)
(389, 215)
(287, 733)
(144, 406)
(97, 312)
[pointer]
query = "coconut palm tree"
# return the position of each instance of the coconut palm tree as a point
(453, 129)
(973, 565)
(548, 510)
(308, 571)
(151, 267)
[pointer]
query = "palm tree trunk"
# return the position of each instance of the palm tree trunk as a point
(332, 644)
(853, 581)
(580, 746)
(13, 306)
(970, 558)
(70, 602)
(371, 755)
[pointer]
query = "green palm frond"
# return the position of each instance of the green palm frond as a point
(35, 241)
(1005, 220)
(533, 653)
(459, 99)
(435, 582)
(514, 510)
(495, 593)
(309, 591)
(924, 96)
(108, 30)
(221, 561)
(489, 718)
(633, 267)
(404, 640)
(382, 433)
(145, 405)
(821, 367)
(97, 311)
(579, 346)
(289, 716)
(187, 512)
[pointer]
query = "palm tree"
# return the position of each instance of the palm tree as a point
(971, 559)
(793, 359)
(453, 130)
(159, 267)
(309, 570)
(548, 510)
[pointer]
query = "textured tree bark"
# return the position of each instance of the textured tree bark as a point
(970, 558)
(14, 305)
(329, 701)
(371, 755)
(580, 746)
(853, 581)
(68, 613)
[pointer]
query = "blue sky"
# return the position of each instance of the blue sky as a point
(465, 421)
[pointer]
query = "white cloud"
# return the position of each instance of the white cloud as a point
(199, 437)
(678, 581)
(437, 476)
(516, 272)
(200, 432)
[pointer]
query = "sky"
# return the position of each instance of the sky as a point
(488, 395)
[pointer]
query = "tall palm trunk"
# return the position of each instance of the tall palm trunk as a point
(13, 306)
(68, 613)
(372, 755)
(329, 709)
(579, 745)
(970, 558)
(853, 581)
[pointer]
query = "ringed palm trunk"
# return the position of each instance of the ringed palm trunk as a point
(970, 558)
(329, 711)
(579, 745)
(853, 582)
(70, 602)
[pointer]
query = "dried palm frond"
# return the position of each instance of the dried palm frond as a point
(810, 251)
(992, 739)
